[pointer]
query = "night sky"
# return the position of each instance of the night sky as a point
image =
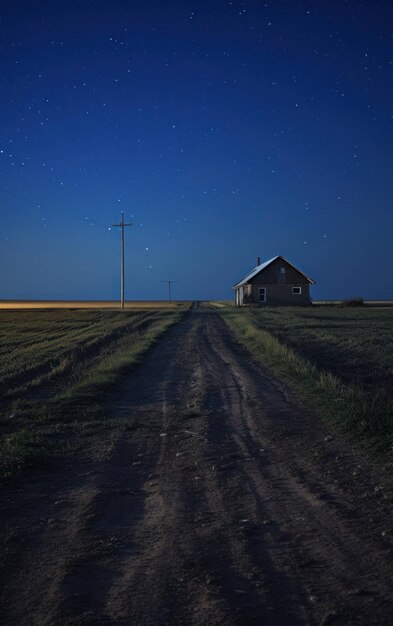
(225, 130)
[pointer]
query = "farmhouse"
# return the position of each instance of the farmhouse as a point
(276, 282)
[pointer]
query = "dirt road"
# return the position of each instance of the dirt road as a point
(225, 503)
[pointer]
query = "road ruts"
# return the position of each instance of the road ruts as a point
(222, 503)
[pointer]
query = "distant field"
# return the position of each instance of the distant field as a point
(354, 344)
(54, 367)
(36, 346)
(89, 304)
(340, 358)
(365, 302)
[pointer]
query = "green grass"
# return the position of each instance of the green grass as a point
(38, 346)
(22, 449)
(41, 417)
(340, 360)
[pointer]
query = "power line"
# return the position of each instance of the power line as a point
(45, 207)
(122, 225)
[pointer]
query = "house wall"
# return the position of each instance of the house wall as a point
(280, 295)
(278, 287)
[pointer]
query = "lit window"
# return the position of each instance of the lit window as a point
(296, 290)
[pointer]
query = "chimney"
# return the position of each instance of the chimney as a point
(258, 260)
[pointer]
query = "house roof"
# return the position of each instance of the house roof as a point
(261, 267)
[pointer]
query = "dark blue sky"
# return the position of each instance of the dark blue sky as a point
(224, 130)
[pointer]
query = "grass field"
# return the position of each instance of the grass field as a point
(54, 367)
(36, 346)
(89, 304)
(340, 359)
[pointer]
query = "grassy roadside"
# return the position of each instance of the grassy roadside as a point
(35, 430)
(293, 345)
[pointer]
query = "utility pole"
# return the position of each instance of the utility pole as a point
(122, 225)
(169, 287)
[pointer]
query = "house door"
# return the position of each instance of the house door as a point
(262, 294)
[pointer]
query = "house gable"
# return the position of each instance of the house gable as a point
(280, 271)
(269, 273)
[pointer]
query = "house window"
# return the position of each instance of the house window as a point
(262, 294)
(296, 291)
(281, 275)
